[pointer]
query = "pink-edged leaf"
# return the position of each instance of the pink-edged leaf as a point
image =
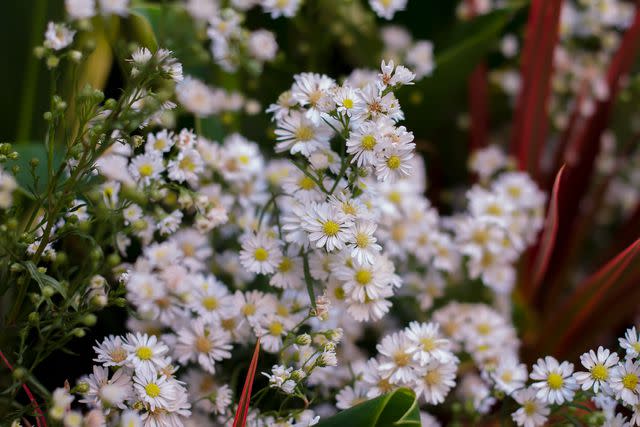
(41, 421)
(245, 398)
(531, 118)
(547, 239)
(593, 292)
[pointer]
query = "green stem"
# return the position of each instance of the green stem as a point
(309, 280)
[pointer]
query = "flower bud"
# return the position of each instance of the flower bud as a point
(48, 292)
(78, 332)
(89, 320)
(304, 339)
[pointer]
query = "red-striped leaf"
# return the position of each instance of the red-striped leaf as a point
(245, 398)
(547, 239)
(531, 119)
(591, 294)
(41, 421)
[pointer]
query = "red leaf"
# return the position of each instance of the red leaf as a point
(547, 240)
(41, 421)
(245, 398)
(588, 296)
(531, 119)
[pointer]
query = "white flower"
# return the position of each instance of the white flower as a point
(260, 253)
(196, 97)
(80, 9)
(363, 144)
(155, 390)
(420, 58)
(397, 360)
(105, 392)
(362, 242)
(298, 134)
(631, 342)
(58, 36)
(203, 342)
(186, 166)
(555, 383)
(347, 101)
(351, 396)
(279, 8)
(130, 418)
(114, 7)
(392, 75)
(387, 8)
(311, 90)
(146, 168)
(327, 227)
(159, 143)
(394, 164)
(533, 411)
(509, 375)
(625, 381)
(598, 369)
(427, 344)
(434, 380)
(289, 273)
(262, 45)
(146, 353)
(111, 352)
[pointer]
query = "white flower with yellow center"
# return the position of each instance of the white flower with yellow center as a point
(289, 273)
(347, 101)
(533, 411)
(203, 342)
(186, 166)
(387, 8)
(364, 144)
(351, 396)
(260, 253)
(146, 168)
(159, 143)
(312, 91)
(509, 375)
(427, 343)
(396, 358)
(210, 298)
(631, 342)
(598, 367)
(435, 380)
(155, 390)
(625, 381)
(394, 164)
(554, 381)
(271, 329)
(111, 352)
(298, 134)
(327, 227)
(146, 353)
(362, 243)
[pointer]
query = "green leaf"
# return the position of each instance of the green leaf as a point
(34, 150)
(397, 408)
(44, 280)
(140, 26)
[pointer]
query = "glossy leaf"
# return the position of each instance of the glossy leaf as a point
(245, 398)
(397, 408)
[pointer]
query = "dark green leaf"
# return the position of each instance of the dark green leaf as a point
(398, 408)
(44, 279)
(34, 150)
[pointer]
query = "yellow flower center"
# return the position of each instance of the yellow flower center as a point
(483, 328)
(248, 309)
(428, 344)
(636, 346)
(363, 277)
(432, 378)
(145, 170)
(261, 254)
(630, 381)
(187, 164)
(203, 345)
(529, 408)
(244, 159)
(507, 376)
(401, 358)
(393, 162)
(599, 372)
(555, 381)
(276, 328)
(368, 142)
(395, 197)
(339, 293)
(210, 303)
(331, 228)
(494, 209)
(348, 103)
(514, 192)
(144, 353)
(119, 354)
(304, 133)
(285, 265)
(152, 390)
(306, 183)
(160, 143)
(362, 240)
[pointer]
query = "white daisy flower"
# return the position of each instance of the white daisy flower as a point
(396, 362)
(58, 36)
(387, 8)
(393, 164)
(327, 227)
(289, 273)
(203, 342)
(554, 380)
(146, 353)
(509, 375)
(298, 134)
(363, 144)
(186, 166)
(427, 343)
(161, 142)
(277, 8)
(155, 390)
(111, 352)
(312, 91)
(435, 380)
(533, 411)
(105, 392)
(631, 342)
(146, 168)
(625, 381)
(351, 396)
(260, 253)
(362, 243)
(598, 369)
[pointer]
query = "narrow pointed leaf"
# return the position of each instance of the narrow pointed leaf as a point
(245, 398)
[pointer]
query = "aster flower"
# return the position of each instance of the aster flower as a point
(260, 254)
(625, 381)
(435, 380)
(155, 390)
(327, 227)
(554, 380)
(533, 411)
(203, 342)
(146, 353)
(427, 344)
(298, 134)
(598, 367)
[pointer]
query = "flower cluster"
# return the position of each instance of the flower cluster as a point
(400, 47)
